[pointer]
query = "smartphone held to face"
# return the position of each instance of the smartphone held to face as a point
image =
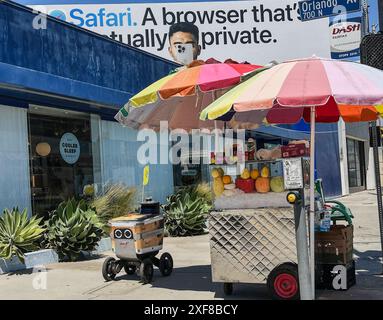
(184, 53)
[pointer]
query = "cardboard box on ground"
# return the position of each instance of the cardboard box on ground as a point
(335, 246)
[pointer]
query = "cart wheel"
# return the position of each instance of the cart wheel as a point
(283, 283)
(130, 269)
(166, 264)
(146, 271)
(108, 269)
(228, 288)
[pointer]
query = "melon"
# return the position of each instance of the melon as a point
(262, 185)
(277, 184)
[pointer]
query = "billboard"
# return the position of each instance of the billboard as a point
(257, 31)
(345, 38)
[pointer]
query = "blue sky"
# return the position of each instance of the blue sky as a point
(373, 10)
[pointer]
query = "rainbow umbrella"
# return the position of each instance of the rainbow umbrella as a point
(179, 97)
(285, 93)
(315, 89)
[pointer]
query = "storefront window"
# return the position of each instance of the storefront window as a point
(61, 159)
(356, 165)
(193, 168)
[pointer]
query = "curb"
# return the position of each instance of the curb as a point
(46, 257)
(105, 244)
(32, 259)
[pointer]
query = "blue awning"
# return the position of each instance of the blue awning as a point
(284, 132)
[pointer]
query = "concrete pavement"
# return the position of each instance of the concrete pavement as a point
(191, 278)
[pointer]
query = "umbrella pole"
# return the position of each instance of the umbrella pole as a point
(216, 136)
(312, 200)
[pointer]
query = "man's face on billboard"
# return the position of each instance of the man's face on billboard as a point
(183, 38)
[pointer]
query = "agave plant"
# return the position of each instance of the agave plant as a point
(186, 212)
(72, 228)
(18, 234)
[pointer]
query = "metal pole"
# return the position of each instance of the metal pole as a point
(312, 200)
(143, 192)
(302, 249)
(377, 180)
(365, 19)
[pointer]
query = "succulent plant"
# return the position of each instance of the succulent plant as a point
(19, 234)
(186, 212)
(72, 228)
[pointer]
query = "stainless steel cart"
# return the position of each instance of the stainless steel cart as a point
(247, 245)
(260, 238)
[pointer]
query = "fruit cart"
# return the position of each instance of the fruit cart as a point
(252, 229)
(257, 236)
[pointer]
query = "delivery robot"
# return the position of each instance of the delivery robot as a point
(137, 238)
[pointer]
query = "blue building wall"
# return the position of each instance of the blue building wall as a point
(327, 159)
(81, 56)
(74, 53)
(67, 67)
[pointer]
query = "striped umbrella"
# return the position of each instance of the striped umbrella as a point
(314, 89)
(179, 97)
(286, 92)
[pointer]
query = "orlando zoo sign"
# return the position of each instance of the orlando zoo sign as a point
(255, 31)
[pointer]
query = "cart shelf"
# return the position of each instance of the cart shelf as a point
(252, 201)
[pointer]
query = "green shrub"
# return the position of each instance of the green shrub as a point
(116, 201)
(73, 227)
(18, 234)
(186, 211)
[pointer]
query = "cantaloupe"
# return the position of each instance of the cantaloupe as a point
(277, 184)
(262, 185)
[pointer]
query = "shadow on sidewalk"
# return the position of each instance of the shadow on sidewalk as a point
(368, 263)
(198, 279)
(369, 279)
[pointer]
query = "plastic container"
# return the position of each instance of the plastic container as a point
(150, 207)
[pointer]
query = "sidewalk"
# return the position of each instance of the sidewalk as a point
(191, 278)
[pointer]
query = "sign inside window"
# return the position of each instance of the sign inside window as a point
(69, 148)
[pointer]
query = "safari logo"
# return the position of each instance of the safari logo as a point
(58, 14)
